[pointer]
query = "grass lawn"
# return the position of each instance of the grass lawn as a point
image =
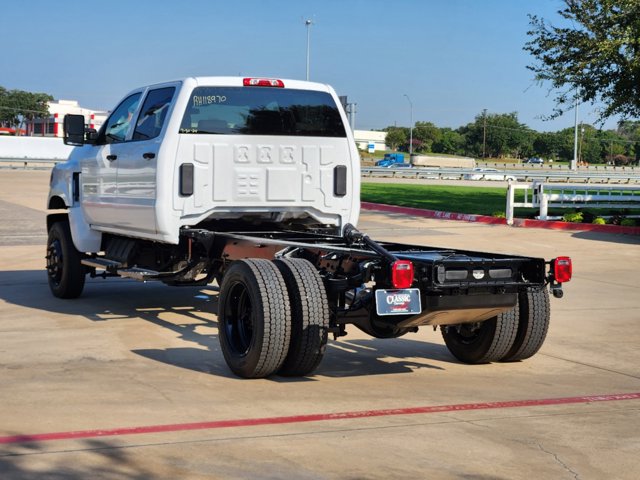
(478, 200)
(462, 199)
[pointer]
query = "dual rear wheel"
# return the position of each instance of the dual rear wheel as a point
(273, 317)
(509, 337)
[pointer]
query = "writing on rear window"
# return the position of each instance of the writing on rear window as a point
(199, 100)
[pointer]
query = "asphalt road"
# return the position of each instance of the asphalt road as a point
(128, 381)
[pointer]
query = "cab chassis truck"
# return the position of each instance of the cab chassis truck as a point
(254, 183)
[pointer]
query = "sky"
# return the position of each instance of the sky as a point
(451, 58)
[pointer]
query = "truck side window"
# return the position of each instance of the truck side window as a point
(153, 113)
(118, 123)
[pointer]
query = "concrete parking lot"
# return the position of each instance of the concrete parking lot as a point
(128, 381)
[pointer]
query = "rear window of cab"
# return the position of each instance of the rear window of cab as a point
(261, 111)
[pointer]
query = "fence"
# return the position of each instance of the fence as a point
(29, 163)
(545, 196)
(586, 175)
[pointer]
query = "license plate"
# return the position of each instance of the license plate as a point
(398, 302)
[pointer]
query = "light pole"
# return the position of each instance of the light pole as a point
(410, 126)
(308, 23)
(484, 133)
(580, 146)
(574, 162)
(351, 113)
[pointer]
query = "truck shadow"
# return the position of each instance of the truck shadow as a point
(190, 312)
(97, 459)
(609, 237)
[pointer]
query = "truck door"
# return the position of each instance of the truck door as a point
(100, 165)
(137, 165)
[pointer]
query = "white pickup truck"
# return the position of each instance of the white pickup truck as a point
(254, 183)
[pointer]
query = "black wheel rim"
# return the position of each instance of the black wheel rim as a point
(467, 333)
(239, 320)
(54, 261)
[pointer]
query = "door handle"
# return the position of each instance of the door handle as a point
(149, 155)
(111, 158)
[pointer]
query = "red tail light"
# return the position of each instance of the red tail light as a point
(562, 269)
(402, 274)
(263, 82)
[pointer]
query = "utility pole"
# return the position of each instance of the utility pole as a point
(308, 23)
(611, 151)
(351, 114)
(484, 133)
(574, 162)
(580, 153)
(410, 126)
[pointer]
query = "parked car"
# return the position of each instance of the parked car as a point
(488, 174)
(535, 161)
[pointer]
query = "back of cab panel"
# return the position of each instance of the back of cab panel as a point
(264, 153)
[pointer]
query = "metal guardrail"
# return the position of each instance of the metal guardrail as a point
(557, 167)
(566, 176)
(545, 196)
(30, 163)
(586, 175)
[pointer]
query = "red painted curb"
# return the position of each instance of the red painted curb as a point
(517, 222)
(419, 212)
(251, 422)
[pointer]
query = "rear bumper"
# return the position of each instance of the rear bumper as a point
(450, 310)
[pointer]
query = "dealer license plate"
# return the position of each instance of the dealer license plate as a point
(398, 302)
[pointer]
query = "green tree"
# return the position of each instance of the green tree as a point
(590, 148)
(450, 142)
(594, 146)
(396, 137)
(6, 113)
(498, 135)
(629, 131)
(565, 143)
(547, 145)
(612, 144)
(597, 54)
(18, 106)
(425, 134)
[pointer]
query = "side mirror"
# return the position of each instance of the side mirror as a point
(74, 130)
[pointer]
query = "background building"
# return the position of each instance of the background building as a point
(52, 126)
(364, 138)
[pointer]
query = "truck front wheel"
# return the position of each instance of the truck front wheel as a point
(65, 273)
(309, 316)
(254, 318)
(482, 342)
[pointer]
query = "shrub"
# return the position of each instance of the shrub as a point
(573, 217)
(599, 221)
(621, 160)
(499, 215)
(628, 222)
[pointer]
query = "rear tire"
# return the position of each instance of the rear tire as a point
(309, 316)
(254, 320)
(533, 324)
(485, 342)
(65, 273)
